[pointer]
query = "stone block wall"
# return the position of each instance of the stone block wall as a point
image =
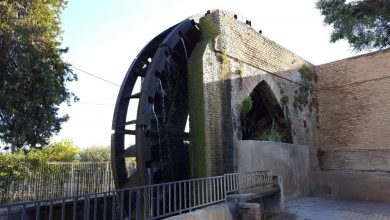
(354, 108)
(239, 48)
(344, 122)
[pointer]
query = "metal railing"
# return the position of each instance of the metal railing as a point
(56, 180)
(145, 202)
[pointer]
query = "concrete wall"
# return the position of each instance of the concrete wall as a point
(370, 186)
(354, 106)
(224, 211)
(287, 160)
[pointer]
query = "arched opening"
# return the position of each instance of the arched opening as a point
(262, 117)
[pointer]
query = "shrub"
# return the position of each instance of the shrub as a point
(95, 154)
(306, 73)
(62, 151)
(247, 105)
(301, 99)
(284, 99)
(22, 163)
(272, 134)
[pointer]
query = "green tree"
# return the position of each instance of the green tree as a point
(62, 151)
(365, 24)
(32, 72)
(95, 154)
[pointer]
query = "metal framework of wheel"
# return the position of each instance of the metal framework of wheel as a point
(161, 143)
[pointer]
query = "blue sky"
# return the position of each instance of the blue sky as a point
(104, 37)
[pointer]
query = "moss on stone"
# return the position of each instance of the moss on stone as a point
(196, 99)
(224, 58)
(196, 111)
(208, 28)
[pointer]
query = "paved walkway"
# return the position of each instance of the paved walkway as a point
(313, 208)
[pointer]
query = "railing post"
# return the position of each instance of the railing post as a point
(138, 204)
(189, 195)
(224, 186)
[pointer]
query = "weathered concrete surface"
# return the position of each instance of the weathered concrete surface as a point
(249, 211)
(224, 211)
(315, 208)
(370, 186)
(287, 160)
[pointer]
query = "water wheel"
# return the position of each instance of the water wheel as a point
(161, 143)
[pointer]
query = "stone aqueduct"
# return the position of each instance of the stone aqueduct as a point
(335, 115)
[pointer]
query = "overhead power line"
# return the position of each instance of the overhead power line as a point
(92, 103)
(93, 75)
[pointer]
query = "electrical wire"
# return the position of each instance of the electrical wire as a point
(91, 103)
(93, 75)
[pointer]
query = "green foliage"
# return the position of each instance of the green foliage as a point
(224, 57)
(272, 134)
(62, 151)
(96, 154)
(19, 164)
(307, 77)
(247, 105)
(33, 75)
(284, 99)
(300, 99)
(208, 28)
(240, 72)
(22, 163)
(306, 74)
(364, 23)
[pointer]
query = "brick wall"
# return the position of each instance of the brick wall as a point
(354, 113)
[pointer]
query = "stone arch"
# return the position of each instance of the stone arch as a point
(266, 114)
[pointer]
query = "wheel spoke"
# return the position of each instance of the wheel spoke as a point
(134, 96)
(129, 152)
(132, 122)
(126, 131)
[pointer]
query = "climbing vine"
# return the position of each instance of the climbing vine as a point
(305, 88)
